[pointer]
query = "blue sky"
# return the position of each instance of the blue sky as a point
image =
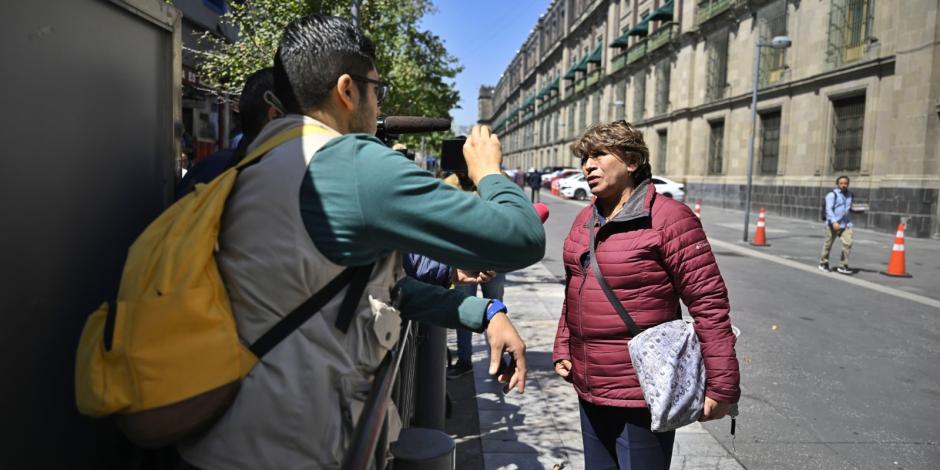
(484, 35)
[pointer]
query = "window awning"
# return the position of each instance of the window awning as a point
(528, 102)
(663, 13)
(640, 29)
(595, 55)
(552, 85)
(622, 40)
(579, 65)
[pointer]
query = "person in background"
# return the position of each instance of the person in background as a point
(652, 252)
(838, 204)
(255, 112)
(519, 177)
(534, 179)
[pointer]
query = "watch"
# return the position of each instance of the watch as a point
(495, 307)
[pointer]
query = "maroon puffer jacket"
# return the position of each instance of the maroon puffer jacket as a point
(651, 245)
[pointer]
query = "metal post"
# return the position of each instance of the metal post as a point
(750, 143)
(431, 370)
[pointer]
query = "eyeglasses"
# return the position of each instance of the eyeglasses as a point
(381, 87)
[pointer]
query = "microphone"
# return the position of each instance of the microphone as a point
(412, 124)
(541, 210)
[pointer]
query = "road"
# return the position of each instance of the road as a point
(837, 372)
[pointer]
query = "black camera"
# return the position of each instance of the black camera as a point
(452, 155)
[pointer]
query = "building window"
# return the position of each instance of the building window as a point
(717, 72)
(662, 86)
(769, 142)
(639, 96)
(772, 21)
(620, 100)
(596, 108)
(661, 152)
(849, 24)
(716, 138)
(848, 123)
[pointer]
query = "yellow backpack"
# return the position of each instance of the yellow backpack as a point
(165, 358)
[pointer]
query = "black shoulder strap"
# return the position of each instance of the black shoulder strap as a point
(631, 325)
(357, 277)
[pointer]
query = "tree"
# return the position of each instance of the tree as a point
(413, 61)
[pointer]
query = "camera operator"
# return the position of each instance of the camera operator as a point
(338, 197)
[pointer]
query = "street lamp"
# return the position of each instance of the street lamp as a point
(778, 42)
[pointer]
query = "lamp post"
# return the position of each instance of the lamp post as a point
(778, 42)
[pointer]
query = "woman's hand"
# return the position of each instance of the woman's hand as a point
(563, 369)
(711, 409)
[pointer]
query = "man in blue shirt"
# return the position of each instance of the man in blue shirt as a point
(838, 225)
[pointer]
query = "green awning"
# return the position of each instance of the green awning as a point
(528, 102)
(582, 66)
(579, 65)
(640, 29)
(663, 13)
(622, 40)
(553, 85)
(596, 55)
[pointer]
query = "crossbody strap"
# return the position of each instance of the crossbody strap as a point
(631, 325)
(356, 277)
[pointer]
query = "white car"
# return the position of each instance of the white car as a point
(577, 188)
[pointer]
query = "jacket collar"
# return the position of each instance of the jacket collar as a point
(638, 205)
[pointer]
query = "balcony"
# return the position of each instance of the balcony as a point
(708, 9)
(636, 52)
(593, 77)
(579, 85)
(662, 36)
(569, 90)
(619, 61)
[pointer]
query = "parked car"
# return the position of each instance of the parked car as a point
(548, 176)
(558, 175)
(579, 189)
(669, 188)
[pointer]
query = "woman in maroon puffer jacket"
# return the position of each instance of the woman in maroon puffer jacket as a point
(652, 252)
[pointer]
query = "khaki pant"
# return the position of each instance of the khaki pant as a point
(845, 236)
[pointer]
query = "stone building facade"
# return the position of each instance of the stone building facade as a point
(857, 93)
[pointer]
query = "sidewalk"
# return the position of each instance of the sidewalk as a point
(541, 428)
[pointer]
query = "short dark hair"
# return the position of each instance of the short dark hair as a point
(252, 108)
(314, 51)
(618, 138)
(843, 176)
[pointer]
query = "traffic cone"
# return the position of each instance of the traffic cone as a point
(698, 208)
(896, 267)
(760, 237)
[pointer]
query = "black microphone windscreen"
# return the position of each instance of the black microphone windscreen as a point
(415, 124)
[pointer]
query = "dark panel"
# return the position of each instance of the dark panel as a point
(87, 88)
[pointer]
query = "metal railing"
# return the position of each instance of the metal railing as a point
(636, 52)
(663, 35)
(708, 9)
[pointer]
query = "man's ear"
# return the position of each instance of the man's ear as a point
(274, 113)
(346, 92)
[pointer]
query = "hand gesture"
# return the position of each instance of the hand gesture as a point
(483, 153)
(474, 277)
(503, 337)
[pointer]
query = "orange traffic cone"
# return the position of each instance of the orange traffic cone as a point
(698, 208)
(760, 237)
(896, 267)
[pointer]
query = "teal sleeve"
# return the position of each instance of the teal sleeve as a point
(440, 306)
(406, 209)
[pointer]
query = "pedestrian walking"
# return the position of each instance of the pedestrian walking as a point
(837, 205)
(534, 179)
(652, 252)
(519, 177)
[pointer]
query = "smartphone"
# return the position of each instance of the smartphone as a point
(452, 155)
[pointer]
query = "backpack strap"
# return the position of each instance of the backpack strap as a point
(352, 276)
(279, 139)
